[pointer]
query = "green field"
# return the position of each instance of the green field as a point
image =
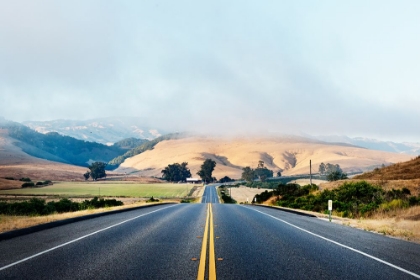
(107, 189)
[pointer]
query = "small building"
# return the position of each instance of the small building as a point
(194, 180)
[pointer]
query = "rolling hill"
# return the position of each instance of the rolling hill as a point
(56, 147)
(407, 170)
(14, 162)
(290, 155)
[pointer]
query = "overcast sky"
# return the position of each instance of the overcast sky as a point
(317, 67)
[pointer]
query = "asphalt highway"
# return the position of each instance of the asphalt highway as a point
(210, 195)
(205, 241)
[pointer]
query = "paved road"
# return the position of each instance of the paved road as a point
(210, 194)
(166, 242)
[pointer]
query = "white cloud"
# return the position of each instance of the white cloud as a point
(328, 67)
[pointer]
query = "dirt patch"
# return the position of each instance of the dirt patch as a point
(244, 194)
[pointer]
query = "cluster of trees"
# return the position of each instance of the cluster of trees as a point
(176, 172)
(226, 179)
(179, 172)
(333, 172)
(261, 172)
(96, 171)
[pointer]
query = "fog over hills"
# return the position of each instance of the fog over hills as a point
(288, 154)
(113, 129)
(101, 130)
(372, 144)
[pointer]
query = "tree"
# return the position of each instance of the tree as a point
(86, 175)
(176, 172)
(334, 172)
(321, 168)
(262, 172)
(97, 170)
(278, 174)
(226, 179)
(206, 170)
(248, 174)
(336, 175)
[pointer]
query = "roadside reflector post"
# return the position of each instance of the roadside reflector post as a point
(330, 208)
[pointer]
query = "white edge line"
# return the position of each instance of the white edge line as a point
(344, 246)
(78, 239)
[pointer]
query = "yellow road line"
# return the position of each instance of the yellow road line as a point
(212, 262)
(202, 266)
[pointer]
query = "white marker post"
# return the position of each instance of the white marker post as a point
(330, 208)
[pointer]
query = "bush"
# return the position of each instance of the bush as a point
(412, 201)
(227, 199)
(28, 185)
(39, 184)
(152, 199)
(37, 206)
(9, 178)
(393, 205)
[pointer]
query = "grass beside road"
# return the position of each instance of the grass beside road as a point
(74, 189)
(8, 223)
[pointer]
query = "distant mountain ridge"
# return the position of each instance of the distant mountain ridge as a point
(65, 149)
(372, 144)
(102, 130)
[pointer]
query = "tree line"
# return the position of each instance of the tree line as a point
(180, 172)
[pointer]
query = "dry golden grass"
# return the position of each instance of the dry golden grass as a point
(9, 184)
(8, 223)
(400, 171)
(401, 223)
(289, 155)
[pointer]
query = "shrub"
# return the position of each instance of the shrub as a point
(39, 184)
(9, 178)
(393, 205)
(152, 199)
(28, 185)
(412, 201)
(227, 199)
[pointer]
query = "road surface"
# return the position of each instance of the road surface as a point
(205, 241)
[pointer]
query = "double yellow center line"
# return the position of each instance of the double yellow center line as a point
(212, 261)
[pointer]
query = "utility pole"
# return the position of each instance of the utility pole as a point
(310, 172)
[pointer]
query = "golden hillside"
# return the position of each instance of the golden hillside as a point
(290, 155)
(400, 171)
